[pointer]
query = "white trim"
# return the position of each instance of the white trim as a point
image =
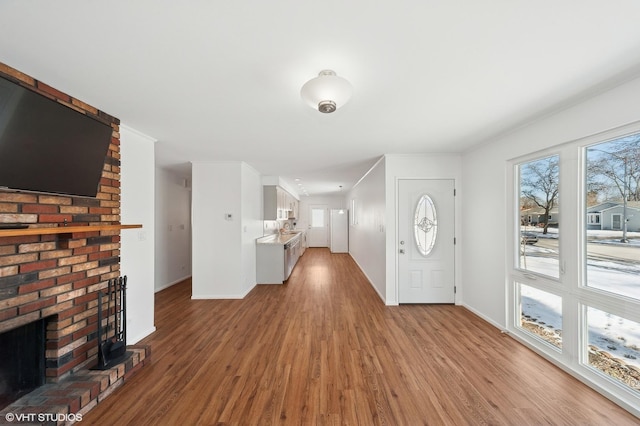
(619, 205)
(221, 296)
(369, 171)
(165, 286)
(138, 133)
(571, 284)
(140, 336)
(371, 283)
(484, 317)
(596, 222)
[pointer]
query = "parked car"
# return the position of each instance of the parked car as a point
(528, 238)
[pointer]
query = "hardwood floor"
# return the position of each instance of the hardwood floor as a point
(323, 349)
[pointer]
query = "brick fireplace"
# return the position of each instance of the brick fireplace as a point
(57, 277)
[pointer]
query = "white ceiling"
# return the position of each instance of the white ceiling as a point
(220, 80)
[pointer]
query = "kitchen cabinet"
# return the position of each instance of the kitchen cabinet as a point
(276, 256)
(303, 242)
(278, 204)
(293, 208)
(282, 203)
(273, 202)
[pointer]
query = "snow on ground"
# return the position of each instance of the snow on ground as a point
(596, 233)
(616, 335)
(545, 308)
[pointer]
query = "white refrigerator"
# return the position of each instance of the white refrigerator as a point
(339, 231)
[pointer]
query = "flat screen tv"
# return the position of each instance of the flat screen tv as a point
(48, 147)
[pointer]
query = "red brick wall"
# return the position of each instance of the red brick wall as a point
(58, 276)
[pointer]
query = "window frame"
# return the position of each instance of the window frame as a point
(572, 282)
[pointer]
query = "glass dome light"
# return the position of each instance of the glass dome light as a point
(327, 92)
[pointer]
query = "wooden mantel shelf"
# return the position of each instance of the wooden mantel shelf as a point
(63, 230)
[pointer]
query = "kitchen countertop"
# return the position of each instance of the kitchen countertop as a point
(279, 238)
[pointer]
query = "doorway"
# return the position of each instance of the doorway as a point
(318, 226)
(426, 245)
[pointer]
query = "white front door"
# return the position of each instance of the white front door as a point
(425, 244)
(317, 236)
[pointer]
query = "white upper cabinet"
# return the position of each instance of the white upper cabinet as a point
(278, 203)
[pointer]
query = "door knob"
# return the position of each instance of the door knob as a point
(401, 251)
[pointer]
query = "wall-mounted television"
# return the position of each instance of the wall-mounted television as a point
(48, 147)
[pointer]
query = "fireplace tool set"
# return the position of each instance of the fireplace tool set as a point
(112, 338)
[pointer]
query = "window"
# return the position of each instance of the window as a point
(425, 225)
(614, 347)
(593, 219)
(317, 218)
(354, 220)
(539, 239)
(612, 171)
(541, 315)
(574, 295)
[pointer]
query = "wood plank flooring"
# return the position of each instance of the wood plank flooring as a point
(323, 349)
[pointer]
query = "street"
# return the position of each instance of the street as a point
(599, 251)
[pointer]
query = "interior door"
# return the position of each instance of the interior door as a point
(426, 255)
(318, 226)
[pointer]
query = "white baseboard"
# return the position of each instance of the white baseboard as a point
(218, 296)
(162, 287)
(136, 339)
(484, 317)
(221, 296)
(369, 279)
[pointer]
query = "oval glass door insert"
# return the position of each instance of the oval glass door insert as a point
(425, 225)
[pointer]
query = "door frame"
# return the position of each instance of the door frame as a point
(396, 229)
(327, 212)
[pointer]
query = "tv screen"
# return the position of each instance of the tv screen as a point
(48, 147)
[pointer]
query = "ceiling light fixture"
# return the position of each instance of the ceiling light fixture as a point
(327, 92)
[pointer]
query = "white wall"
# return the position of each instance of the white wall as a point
(332, 202)
(251, 208)
(427, 166)
(484, 172)
(173, 228)
(220, 247)
(367, 238)
(137, 245)
(372, 242)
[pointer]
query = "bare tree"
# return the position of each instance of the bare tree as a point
(539, 183)
(526, 203)
(613, 169)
